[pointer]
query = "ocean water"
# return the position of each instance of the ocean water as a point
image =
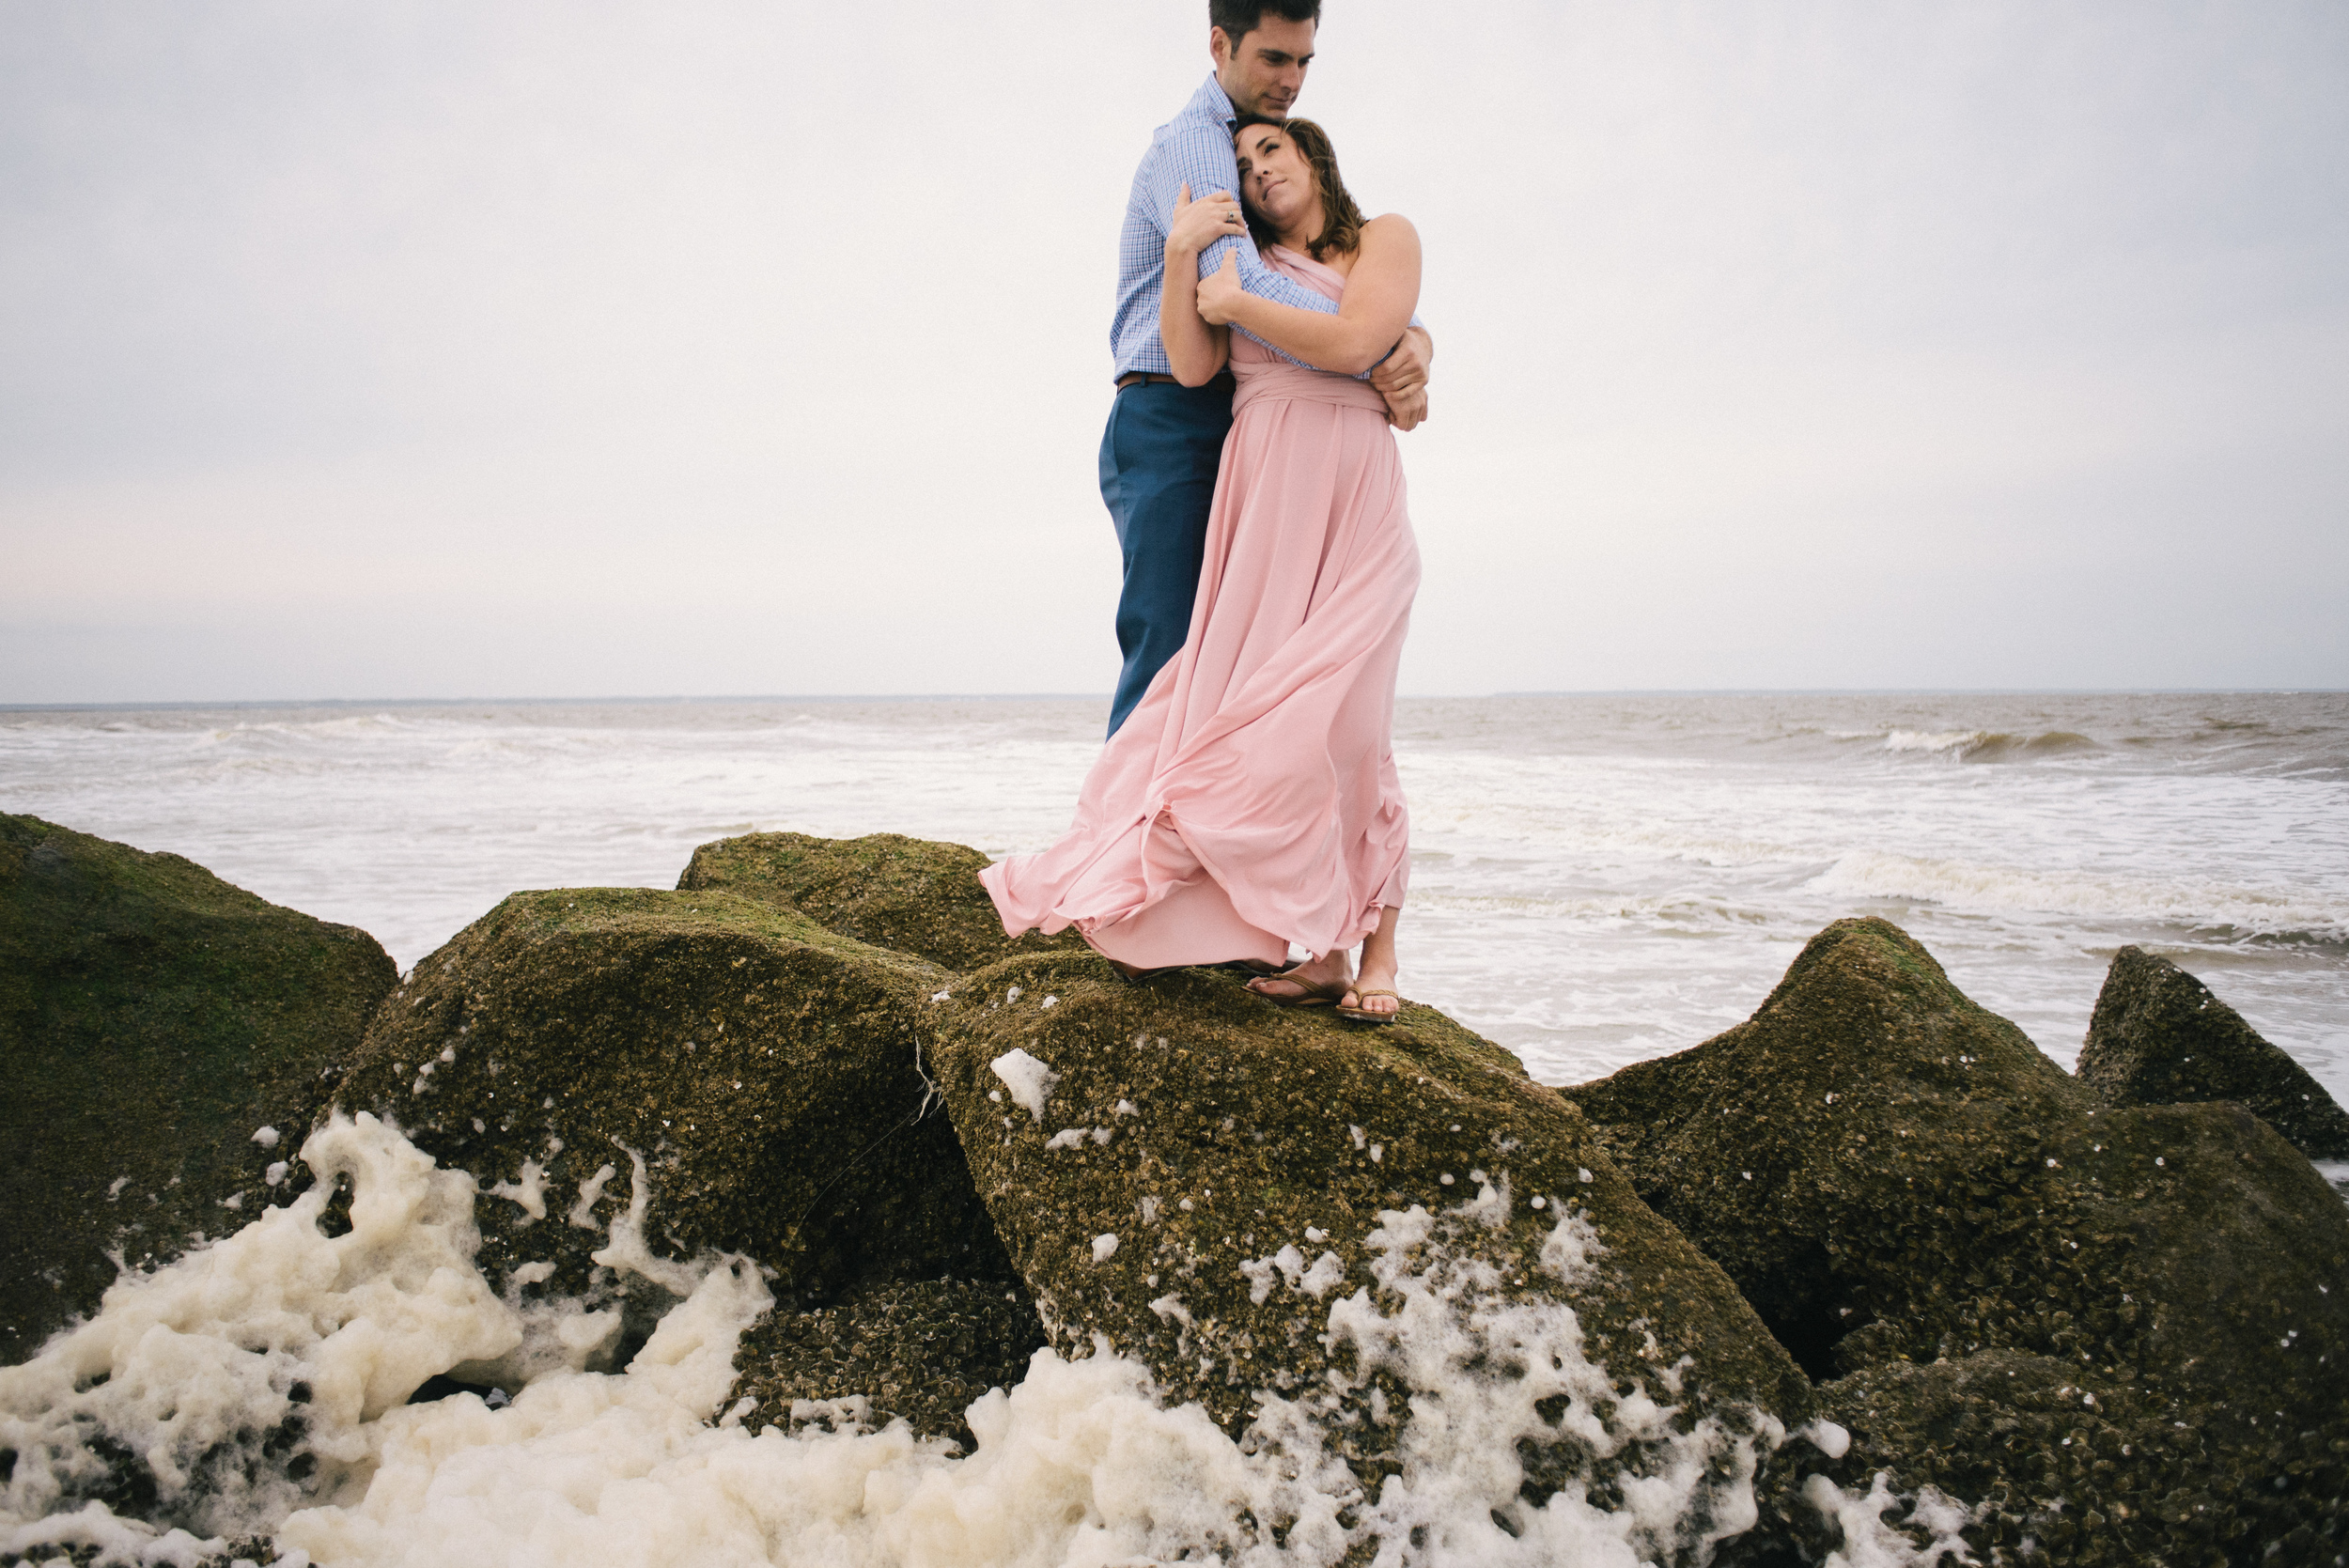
(1597, 878)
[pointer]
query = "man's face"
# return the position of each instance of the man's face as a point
(1266, 71)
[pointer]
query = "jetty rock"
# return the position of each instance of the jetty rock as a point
(2159, 1037)
(638, 1078)
(1391, 1233)
(2119, 1335)
(154, 1019)
(913, 896)
(1868, 1259)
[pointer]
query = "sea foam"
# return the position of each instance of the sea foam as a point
(259, 1383)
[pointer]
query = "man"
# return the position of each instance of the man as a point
(1160, 451)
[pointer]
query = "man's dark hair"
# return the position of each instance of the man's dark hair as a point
(1239, 18)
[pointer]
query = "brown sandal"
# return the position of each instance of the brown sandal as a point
(1363, 1015)
(1308, 994)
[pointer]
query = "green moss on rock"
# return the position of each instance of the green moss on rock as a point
(2063, 1467)
(152, 1017)
(910, 894)
(2159, 1037)
(1897, 1179)
(766, 1071)
(1193, 1132)
(923, 1352)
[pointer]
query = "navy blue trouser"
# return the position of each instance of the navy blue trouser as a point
(1158, 459)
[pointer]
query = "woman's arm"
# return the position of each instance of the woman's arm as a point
(1194, 351)
(1381, 292)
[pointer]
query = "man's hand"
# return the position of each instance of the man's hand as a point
(1408, 410)
(1220, 291)
(1404, 371)
(1200, 224)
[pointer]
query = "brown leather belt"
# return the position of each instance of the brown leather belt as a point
(1135, 378)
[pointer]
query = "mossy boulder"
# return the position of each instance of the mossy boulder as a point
(909, 894)
(762, 1075)
(153, 1018)
(1256, 1201)
(923, 1351)
(2159, 1037)
(1920, 1204)
(2054, 1467)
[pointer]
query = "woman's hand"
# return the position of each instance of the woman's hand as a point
(1200, 224)
(1220, 291)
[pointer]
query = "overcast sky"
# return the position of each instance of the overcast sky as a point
(421, 349)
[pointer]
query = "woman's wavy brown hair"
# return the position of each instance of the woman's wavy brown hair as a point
(1340, 220)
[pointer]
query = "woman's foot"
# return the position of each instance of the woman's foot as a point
(1373, 993)
(1316, 982)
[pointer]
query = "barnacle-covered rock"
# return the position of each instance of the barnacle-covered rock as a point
(921, 1351)
(635, 1076)
(154, 1019)
(1392, 1230)
(1899, 1181)
(912, 895)
(2159, 1037)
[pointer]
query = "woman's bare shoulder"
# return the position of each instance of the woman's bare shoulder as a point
(1390, 228)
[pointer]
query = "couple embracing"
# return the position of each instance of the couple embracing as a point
(1266, 349)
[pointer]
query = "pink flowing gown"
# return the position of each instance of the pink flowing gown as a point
(1250, 800)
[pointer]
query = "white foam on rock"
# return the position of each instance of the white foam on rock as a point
(1879, 1525)
(529, 1190)
(120, 1543)
(208, 1352)
(1083, 1463)
(591, 1193)
(1029, 1080)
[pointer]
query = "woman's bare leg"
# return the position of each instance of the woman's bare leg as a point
(1379, 965)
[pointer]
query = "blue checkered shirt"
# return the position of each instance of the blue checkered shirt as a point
(1195, 149)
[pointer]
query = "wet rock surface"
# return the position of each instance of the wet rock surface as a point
(1928, 1211)
(757, 1074)
(913, 896)
(2059, 1465)
(1198, 1177)
(2159, 1037)
(153, 1018)
(2095, 1320)
(923, 1351)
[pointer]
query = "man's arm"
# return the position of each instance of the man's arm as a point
(1201, 156)
(1401, 378)
(1380, 291)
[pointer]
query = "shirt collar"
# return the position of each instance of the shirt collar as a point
(1211, 102)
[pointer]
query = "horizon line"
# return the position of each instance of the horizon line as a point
(678, 699)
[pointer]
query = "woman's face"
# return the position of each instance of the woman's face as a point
(1275, 181)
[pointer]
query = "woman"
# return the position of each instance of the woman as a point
(1250, 801)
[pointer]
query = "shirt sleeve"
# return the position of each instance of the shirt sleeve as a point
(1201, 156)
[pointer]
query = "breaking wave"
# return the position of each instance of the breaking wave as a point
(1991, 745)
(2194, 904)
